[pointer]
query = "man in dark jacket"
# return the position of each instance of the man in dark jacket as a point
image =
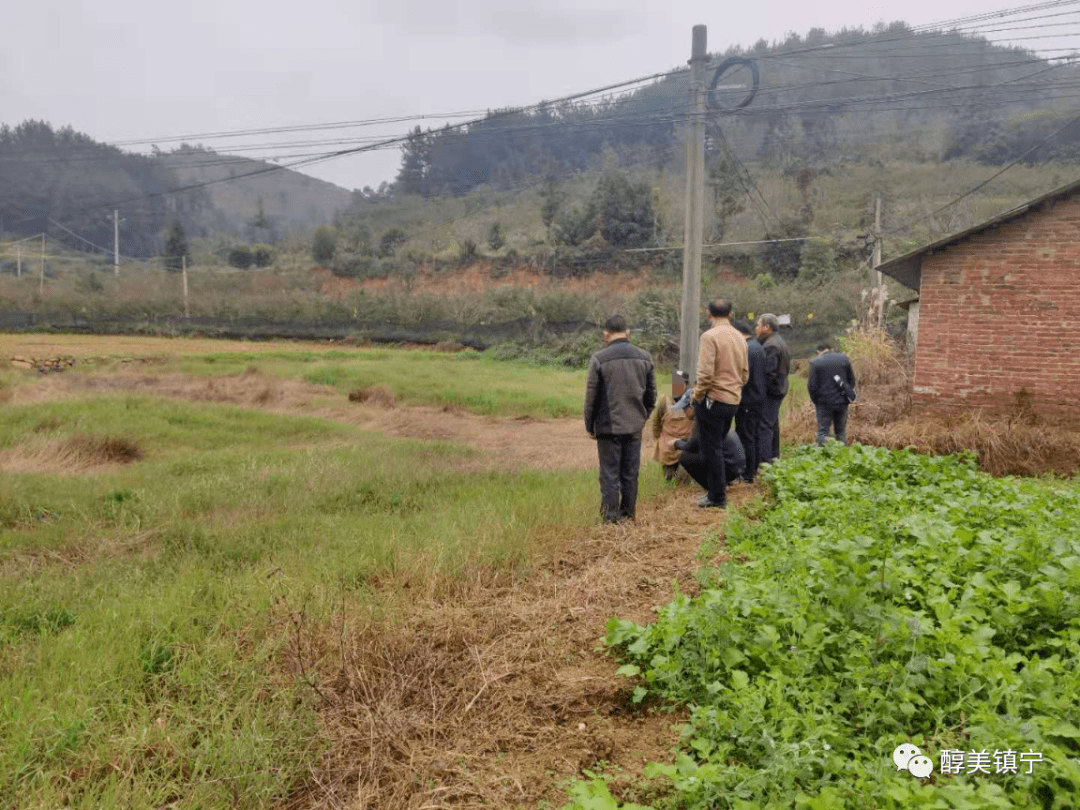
(831, 385)
(748, 417)
(620, 392)
(777, 366)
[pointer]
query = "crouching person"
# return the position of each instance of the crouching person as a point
(693, 461)
(672, 420)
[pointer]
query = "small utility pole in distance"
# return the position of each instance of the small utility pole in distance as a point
(41, 276)
(690, 317)
(18, 261)
(116, 243)
(879, 281)
(183, 265)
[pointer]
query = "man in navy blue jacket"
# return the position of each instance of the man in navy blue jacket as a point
(748, 417)
(831, 385)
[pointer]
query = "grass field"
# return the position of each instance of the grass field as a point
(147, 607)
(166, 564)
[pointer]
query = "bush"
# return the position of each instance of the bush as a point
(467, 248)
(625, 210)
(323, 245)
(390, 241)
(262, 255)
(496, 238)
(572, 226)
(240, 256)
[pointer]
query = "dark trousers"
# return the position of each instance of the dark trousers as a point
(769, 431)
(828, 416)
(695, 466)
(713, 422)
(747, 426)
(620, 461)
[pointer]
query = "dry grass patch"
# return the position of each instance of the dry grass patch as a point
(74, 454)
(375, 395)
(1004, 445)
(486, 690)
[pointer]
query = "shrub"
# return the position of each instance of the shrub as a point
(572, 226)
(496, 238)
(625, 209)
(323, 245)
(390, 241)
(467, 248)
(262, 255)
(240, 256)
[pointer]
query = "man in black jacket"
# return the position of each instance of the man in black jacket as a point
(831, 385)
(619, 394)
(777, 366)
(748, 417)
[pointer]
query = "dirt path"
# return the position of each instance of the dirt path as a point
(496, 694)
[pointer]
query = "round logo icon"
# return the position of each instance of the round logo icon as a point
(903, 754)
(920, 766)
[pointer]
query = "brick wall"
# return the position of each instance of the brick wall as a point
(1000, 313)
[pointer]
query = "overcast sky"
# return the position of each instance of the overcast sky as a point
(126, 70)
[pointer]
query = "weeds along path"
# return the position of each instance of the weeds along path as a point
(512, 442)
(495, 693)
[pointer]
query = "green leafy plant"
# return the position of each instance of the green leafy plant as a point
(887, 597)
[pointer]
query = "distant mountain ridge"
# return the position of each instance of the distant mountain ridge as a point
(67, 185)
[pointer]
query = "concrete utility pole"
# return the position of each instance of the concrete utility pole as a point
(183, 264)
(879, 281)
(18, 261)
(116, 243)
(690, 320)
(41, 277)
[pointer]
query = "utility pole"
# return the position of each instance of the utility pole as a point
(879, 282)
(41, 276)
(690, 319)
(183, 264)
(116, 243)
(18, 261)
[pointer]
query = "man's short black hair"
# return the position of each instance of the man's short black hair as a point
(720, 308)
(743, 327)
(824, 346)
(615, 324)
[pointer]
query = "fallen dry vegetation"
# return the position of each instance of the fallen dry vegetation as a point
(74, 454)
(489, 691)
(515, 441)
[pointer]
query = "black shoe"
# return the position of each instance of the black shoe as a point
(705, 503)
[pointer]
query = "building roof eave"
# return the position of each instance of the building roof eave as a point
(907, 269)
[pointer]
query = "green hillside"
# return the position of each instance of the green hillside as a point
(289, 200)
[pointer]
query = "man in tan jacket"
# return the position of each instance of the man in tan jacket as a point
(722, 372)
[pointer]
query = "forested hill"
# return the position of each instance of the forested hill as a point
(272, 200)
(66, 184)
(849, 95)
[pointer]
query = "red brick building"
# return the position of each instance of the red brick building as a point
(998, 315)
